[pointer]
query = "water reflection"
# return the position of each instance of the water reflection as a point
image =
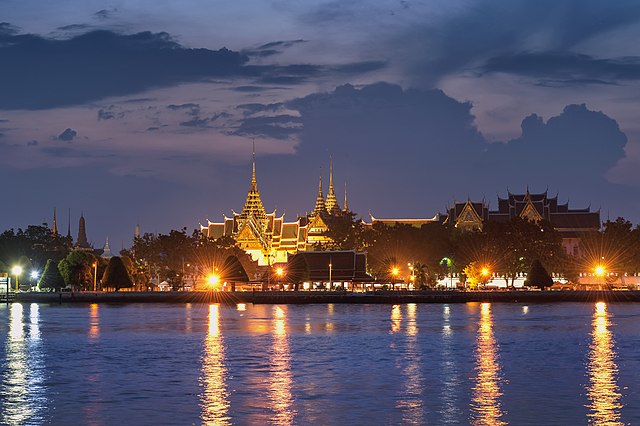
(94, 321)
(94, 409)
(23, 397)
(485, 404)
(214, 399)
(396, 318)
(411, 402)
(280, 396)
(450, 410)
(603, 393)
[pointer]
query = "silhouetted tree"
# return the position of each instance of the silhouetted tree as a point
(116, 275)
(51, 278)
(538, 276)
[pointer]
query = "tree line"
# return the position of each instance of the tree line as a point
(427, 254)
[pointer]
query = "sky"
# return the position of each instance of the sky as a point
(144, 112)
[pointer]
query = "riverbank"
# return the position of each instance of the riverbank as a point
(291, 297)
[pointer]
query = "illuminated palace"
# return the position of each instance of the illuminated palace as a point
(266, 236)
(570, 223)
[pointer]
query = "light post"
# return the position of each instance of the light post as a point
(280, 274)
(600, 272)
(330, 270)
(16, 271)
(448, 263)
(485, 275)
(95, 275)
(394, 272)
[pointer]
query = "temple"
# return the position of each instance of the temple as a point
(570, 223)
(267, 237)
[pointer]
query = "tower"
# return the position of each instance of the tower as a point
(332, 201)
(82, 242)
(54, 227)
(320, 208)
(345, 206)
(106, 251)
(253, 206)
(137, 234)
(69, 225)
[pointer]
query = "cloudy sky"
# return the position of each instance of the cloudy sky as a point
(144, 111)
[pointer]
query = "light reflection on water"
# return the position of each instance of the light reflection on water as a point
(94, 414)
(23, 397)
(485, 406)
(450, 411)
(411, 401)
(280, 379)
(603, 393)
(319, 364)
(214, 398)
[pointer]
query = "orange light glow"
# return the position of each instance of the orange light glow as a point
(484, 272)
(280, 272)
(395, 271)
(600, 270)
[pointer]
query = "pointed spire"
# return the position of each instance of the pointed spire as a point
(345, 206)
(137, 234)
(82, 233)
(332, 200)
(54, 227)
(69, 225)
(320, 207)
(254, 181)
(253, 204)
(106, 251)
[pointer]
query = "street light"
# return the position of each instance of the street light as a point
(95, 275)
(16, 271)
(394, 271)
(213, 280)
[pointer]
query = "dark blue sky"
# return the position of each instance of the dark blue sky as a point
(144, 112)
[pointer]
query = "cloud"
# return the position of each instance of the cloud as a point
(68, 135)
(388, 142)
(102, 63)
(461, 40)
(277, 127)
(565, 67)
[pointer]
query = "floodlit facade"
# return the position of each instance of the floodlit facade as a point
(570, 223)
(267, 237)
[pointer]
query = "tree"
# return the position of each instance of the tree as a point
(345, 232)
(77, 269)
(116, 275)
(51, 278)
(538, 276)
(232, 270)
(476, 275)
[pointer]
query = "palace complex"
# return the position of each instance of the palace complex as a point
(269, 239)
(570, 223)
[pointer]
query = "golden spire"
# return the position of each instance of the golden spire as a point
(320, 207)
(253, 205)
(345, 206)
(332, 200)
(254, 181)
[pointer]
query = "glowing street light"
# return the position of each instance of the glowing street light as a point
(95, 275)
(280, 272)
(600, 271)
(213, 280)
(16, 271)
(34, 275)
(484, 272)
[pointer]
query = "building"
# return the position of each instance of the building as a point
(570, 223)
(267, 237)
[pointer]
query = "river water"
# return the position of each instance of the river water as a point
(154, 364)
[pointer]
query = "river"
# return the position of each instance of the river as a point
(474, 363)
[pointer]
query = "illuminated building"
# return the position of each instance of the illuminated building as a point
(266, 237)
(570, 223)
